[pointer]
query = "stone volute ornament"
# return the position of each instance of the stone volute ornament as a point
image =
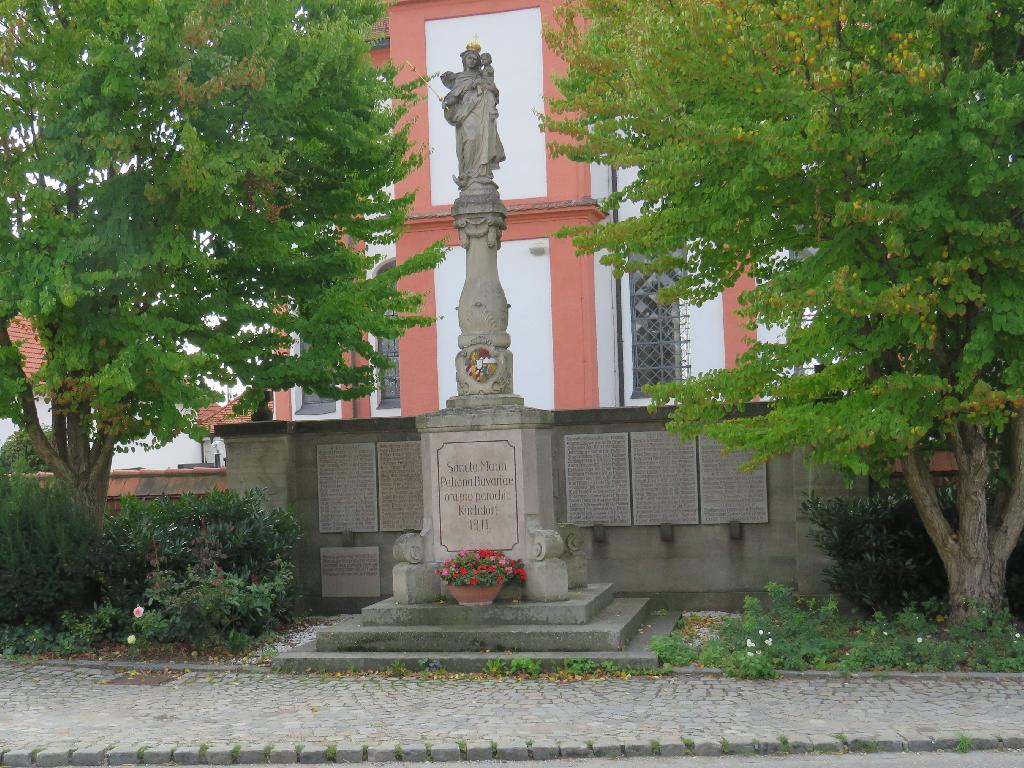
(483, 366)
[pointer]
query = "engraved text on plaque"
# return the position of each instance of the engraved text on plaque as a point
(664, 479)
(350, 571)
(478, 495)
(401, 486)
(347, 487)
(597, 479)
(726, 494)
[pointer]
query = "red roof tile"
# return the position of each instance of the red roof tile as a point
(25, 338)
(223, 413)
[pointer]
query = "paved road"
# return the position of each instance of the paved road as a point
(45, 705)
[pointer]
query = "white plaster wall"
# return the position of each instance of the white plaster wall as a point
(7, 428)
(526, 279)
(707, 337)
(513, 38)
(607, 360)
(600, 181)
(181, 450)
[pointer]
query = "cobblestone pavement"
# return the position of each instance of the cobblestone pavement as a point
(43, 705)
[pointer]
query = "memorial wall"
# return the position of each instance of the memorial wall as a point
(677, 520)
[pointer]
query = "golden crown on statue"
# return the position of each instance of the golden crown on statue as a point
(474, 44)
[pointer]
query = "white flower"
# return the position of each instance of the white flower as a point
(758, 653)
(760, 631)
(885, 633)
(131, 639)
(1017, 635)
(750, 643)
(768, 642)
(749, 653)
(920, 639)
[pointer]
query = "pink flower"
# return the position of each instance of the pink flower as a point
(139, 610)
(444, 571)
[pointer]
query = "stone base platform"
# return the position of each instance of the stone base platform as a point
(610, 630)
(582, 607)
(306, 658)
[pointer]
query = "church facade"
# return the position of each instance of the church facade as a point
(581, 337)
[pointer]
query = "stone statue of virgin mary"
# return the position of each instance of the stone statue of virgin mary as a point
(471, 105)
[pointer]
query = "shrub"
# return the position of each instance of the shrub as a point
(207, 606)
(234, 532)
(882, 558)
(48, 548)
(18, 455)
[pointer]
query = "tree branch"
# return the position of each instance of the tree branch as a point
(1009, 520)
(919, 480)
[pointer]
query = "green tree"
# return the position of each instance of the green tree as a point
(861, 161)
(18, 455)
(185, 187)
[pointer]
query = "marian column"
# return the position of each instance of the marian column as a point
(483, 366)
(487, 469)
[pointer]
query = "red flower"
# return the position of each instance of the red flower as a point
(473, 580)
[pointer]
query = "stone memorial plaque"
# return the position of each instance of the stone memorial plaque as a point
(726, 494)
(400, 470)
(597, 479)
(663, 474)
(350, 571)
(478, 495)
(347, 487)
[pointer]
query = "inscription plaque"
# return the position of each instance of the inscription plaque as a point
(728, 495)
(350, 571)
(597, 479)
(401, 486)
(478, 495)
(347, 487)
(664, 479)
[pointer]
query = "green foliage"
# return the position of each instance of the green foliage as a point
(672, 649)
(18, 455)
(789, 633)
(48, 562)
(207, 607)
(236, 532)
(496, 667)
(584, 666)
(881, 556)
(212, 570)
(72, 634)
(889, 260)
(524, 665)
(183, 188)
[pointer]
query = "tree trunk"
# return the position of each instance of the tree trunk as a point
(90, 491)
(975, 583)
(974, 554)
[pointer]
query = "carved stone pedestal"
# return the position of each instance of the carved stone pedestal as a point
(487, 485)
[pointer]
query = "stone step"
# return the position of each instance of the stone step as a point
(611, 630)
(581, 607)
(308, 659)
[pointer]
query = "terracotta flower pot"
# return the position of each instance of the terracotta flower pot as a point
(473, 594)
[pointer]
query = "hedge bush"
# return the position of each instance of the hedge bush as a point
(213, 570)
(882, 558)
(48, 552)
(234, 532)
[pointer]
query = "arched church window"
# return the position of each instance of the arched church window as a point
(660, 333)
